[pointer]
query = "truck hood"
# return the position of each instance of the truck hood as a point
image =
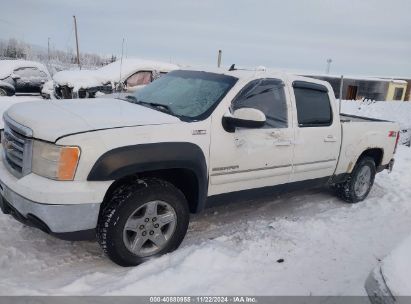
(50, 120)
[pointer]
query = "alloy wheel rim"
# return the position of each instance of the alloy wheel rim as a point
(363, 181)
(149, 228)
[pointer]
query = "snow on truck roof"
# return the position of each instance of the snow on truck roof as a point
(8, 66)
(110, 73)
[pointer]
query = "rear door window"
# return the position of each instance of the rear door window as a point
(313, 104)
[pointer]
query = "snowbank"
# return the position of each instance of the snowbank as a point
(109, 74)
(396, 269)
(8, 66)
(399, 111)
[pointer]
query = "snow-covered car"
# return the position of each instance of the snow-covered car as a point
(390, 281)
(47, 91)
(125, 76)
(22, 76)
(131, 171)
(6, 89)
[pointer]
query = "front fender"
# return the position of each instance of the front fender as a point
(125, 161)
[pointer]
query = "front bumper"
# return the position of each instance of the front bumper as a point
(73, 222)
(68, 210)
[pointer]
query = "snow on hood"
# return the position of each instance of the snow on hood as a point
(53, 119)
(110, 73)
(7, 102)
(8, 66)
(396, 269)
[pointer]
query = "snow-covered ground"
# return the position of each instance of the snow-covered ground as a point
(328, 247)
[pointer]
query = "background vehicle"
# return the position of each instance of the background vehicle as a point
(389, 281)
(132, 170)
(23, 76)
(6, 89)
(47, 91)
(129, 75)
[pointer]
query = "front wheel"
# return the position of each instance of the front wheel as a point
(360, 182)
(3, 92)
(142, 220)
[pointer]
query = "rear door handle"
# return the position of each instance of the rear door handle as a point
(330, 138)
(283, 143)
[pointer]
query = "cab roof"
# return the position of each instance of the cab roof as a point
(246, 74)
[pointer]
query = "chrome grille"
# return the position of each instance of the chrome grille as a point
(17, 147)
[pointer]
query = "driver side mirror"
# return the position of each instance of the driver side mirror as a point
(244, 118)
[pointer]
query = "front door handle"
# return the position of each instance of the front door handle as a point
(330, 138)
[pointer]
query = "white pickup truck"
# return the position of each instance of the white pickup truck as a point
(131, 171)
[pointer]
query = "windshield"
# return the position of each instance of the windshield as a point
(190, 94)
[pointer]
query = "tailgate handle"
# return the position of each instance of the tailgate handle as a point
(330, 138)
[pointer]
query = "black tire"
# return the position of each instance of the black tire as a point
(3, 92)
(347, 191)
(124, 202)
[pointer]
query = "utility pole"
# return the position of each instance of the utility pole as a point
(341, 89)
(78, 52)
(219, 58)
(327, 71)
(120, 85)
(48, 48)
(121, 59)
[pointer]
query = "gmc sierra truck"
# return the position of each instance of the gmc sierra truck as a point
(131, 171)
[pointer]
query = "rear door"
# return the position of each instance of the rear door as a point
(317, 131)
(253, 158)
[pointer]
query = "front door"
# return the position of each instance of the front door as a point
(253, 158)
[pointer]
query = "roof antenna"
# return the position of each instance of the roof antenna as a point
(232, 67)
(121, 65)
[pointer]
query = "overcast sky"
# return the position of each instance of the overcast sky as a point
(363, 37)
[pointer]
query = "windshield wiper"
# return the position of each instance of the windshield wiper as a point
(153, 105)
(159, 106)
(130, 98)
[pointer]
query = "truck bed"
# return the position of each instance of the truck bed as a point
(353, 118)
(363, 133)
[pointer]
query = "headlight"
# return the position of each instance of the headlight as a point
(55, 162)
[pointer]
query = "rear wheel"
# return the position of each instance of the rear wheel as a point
(360, 182)
(143, 220)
